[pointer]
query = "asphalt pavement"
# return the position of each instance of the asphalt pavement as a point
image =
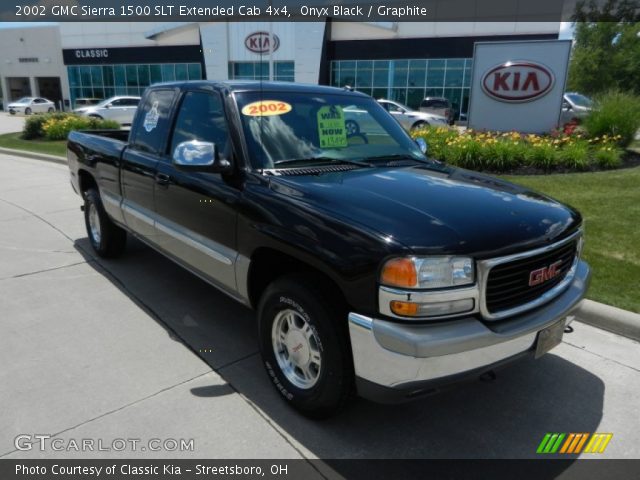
(139, 348)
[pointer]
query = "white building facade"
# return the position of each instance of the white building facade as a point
(401, 61)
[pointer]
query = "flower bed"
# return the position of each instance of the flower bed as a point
(516, 152)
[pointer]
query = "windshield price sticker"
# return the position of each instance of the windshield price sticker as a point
(265, 108)
(331, 127)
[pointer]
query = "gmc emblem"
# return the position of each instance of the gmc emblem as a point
(544, 274)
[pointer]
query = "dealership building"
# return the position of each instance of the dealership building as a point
(403, 61)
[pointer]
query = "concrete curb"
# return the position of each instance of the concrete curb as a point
(34, 155)
(609, 318)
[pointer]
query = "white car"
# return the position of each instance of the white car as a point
(121, 109)
(29, 105)
(411, 119)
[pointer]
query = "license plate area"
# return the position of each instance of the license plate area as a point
(549, 337)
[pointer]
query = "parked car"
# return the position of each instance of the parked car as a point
(439, 106)
(411, 119)
(575, 107)
(372, 269)
(86, 102)
(29, 105)
(121, 109)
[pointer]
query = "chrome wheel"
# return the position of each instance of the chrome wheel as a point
(94, 224)
(295, 346)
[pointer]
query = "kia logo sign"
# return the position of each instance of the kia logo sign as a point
(259, 42)
(518, 81)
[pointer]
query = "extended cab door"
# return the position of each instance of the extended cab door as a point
(147, 143)
(196, 219)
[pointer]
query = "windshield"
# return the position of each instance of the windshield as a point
(580, 100)
(24, 100)
(285, 129)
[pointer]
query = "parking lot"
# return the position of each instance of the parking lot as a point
(139, 348)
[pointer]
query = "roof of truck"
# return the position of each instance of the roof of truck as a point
(258, 85)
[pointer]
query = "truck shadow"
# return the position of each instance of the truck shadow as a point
(505, 418)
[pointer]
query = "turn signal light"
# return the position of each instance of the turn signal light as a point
(405, 309)
(399, 272)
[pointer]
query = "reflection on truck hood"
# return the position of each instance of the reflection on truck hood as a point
(436, 209)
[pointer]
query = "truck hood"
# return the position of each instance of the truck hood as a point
(436, 209)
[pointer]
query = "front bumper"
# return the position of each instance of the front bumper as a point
(398, 361)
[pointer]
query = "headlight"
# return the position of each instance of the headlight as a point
(428, 272)
(432, 278)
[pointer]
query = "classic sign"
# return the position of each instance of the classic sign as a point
(518, 81)
(259, 42)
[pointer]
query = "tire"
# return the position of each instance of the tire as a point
(301, 326)
(93, 115)
(27, 111)
(419, 124)
(107, 239)
(51, 110)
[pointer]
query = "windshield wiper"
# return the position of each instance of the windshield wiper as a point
(395, 157)
(321, 160)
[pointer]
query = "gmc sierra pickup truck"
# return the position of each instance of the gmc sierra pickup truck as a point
(373, 269)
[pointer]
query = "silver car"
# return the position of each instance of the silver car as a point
(412, 119)
(29, 105)
(121, 109)
(575, 107)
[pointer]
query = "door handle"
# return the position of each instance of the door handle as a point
(163, 179)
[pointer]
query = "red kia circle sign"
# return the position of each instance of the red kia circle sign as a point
(260, 42)
(518, 81)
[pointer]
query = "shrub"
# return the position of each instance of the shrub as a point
(33, 125)
(608, 157)
(59, 128)
(574, 155)
(616, 114)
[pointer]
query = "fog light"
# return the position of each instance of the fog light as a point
(433, 309)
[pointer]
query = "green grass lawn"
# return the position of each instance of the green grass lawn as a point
(610, 205)
(13, 140)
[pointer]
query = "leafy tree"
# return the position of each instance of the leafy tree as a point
(606, 53)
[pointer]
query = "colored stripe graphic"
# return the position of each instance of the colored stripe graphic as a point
(573, 443)
(598, 443)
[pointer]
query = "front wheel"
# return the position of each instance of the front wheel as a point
(107, 239)
(304, 345)
(419, 125)
(51, 110)
(27, 111)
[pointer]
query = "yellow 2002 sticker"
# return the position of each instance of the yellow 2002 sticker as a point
(331, 127)
(265, 108)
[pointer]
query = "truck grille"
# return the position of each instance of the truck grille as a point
(508, 283)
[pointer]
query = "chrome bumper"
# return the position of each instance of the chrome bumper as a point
(408, 358)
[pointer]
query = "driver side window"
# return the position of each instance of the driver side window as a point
(201, 117)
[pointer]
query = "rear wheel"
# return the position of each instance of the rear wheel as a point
(304, 345)
(51, 110)
(418, 125)
(107, 239)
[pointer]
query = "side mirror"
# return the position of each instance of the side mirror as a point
(200, 156)
(422, 144)
(108, 105)
(566, 106)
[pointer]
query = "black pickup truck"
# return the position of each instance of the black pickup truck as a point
(373, 269)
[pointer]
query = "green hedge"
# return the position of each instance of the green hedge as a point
(56, 126)
(615, 114)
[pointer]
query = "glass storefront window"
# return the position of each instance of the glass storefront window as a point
(283, 71)
(104, 81)
(408, 81)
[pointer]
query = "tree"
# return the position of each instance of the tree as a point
(606, 52)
